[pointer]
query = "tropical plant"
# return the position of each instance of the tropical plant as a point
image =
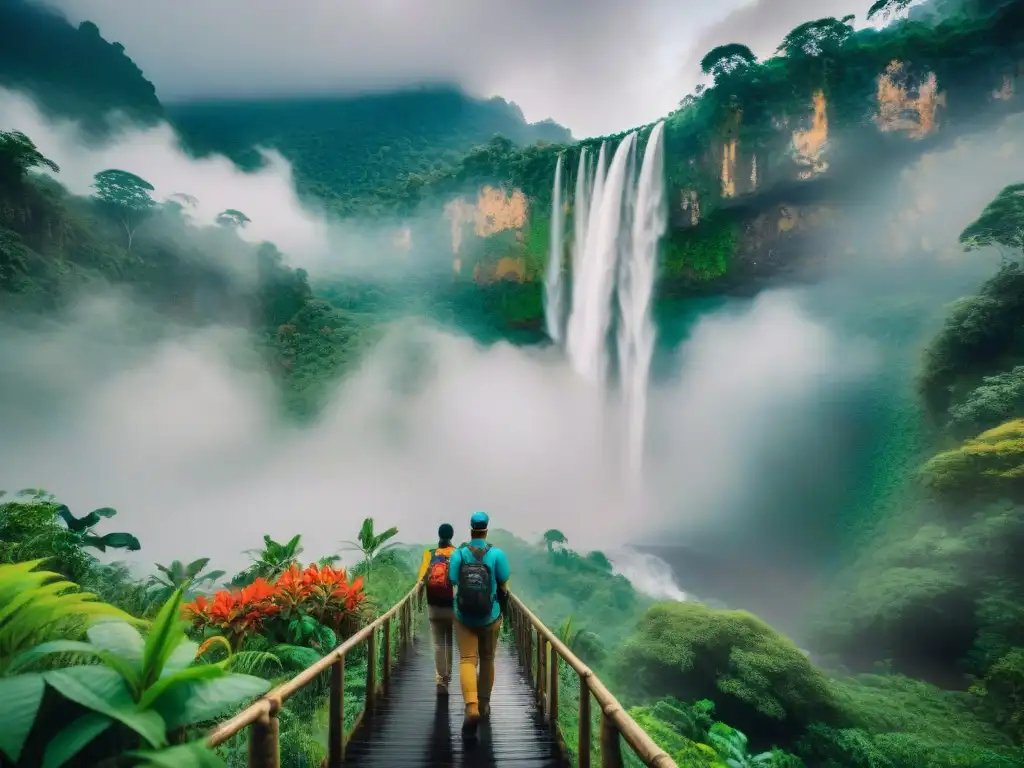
(271, 561)
(236, 613)
(302, 607)
(30, 529)
(145, 686)
(82, 528)
(731, 746)
(180, 576)
(372, 544)
(40, 606)
(126, 196)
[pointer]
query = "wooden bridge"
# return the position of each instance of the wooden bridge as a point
(404, 723)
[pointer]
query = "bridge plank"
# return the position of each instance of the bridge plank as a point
(413, 727)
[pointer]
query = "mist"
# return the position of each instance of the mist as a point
(754, 425)
(176, 429)
(309, 236)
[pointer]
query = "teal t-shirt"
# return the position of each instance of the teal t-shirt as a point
(496, 561)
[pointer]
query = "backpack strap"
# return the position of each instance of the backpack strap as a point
(479, 552)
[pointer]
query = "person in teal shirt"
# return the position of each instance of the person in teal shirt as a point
(477, 633)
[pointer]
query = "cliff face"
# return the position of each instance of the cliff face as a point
(754, 202)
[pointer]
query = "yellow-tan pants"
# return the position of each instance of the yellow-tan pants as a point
(441, 620)
(476, 644)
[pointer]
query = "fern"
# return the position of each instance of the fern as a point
(40, 605)
(259, 663)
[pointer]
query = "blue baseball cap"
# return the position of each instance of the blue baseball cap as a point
(479, 521)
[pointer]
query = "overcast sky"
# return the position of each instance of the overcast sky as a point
(596, 66)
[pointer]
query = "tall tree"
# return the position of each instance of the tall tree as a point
(554, 536)
(19, 155)
(887, 8)
(232, 218)
(726, 59)
(824, 37)
(126, 196)
(1000, 224)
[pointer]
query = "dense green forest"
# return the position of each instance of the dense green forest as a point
(918, 658)
(409, 136)
(70, 71)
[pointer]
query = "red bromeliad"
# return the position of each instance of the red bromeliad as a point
(322, 592)
(332, 599)
(235, 613)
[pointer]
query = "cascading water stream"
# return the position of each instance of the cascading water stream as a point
(591, 315)
(635, 294)
(579, 212)
(617, 225)
(554, 292)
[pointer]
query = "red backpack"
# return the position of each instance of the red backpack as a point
(439, 588)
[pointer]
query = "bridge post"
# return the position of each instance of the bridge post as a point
(371, 672)
(553, 694)
(387, 653)
(542, 673)
(583, 736)
(264, 751)
(538, 677)
(611, 747)
(336, 724)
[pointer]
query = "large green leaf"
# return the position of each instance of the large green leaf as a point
(194, 755)
(180, 658)
(54, 646)
(20, 697)
(201, 672)
(103, 690)
(165, 635)
(122, 641)
(119, 540)
(194, 568)
(194, 701)
(73, 738)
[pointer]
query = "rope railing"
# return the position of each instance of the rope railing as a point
(539, 653)
(261, 718)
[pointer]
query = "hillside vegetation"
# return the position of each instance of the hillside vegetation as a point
(406, 137)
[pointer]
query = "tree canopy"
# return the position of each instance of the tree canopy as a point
(1000, 224)
(726, 59)
(19, 155)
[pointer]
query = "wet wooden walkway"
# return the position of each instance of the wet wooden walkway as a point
(412, 727)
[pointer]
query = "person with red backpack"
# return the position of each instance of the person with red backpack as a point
(440, 604)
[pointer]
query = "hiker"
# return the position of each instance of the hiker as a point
(439, 604)
(480, 574)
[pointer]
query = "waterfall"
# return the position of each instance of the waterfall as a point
(618, 221)
(579, 212)
(553, 281)
(636, 291)
(591, 315)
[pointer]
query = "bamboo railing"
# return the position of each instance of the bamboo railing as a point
(261, 717)
(539, 653)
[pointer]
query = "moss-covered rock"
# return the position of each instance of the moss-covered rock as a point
(761, 682)
(990, 464)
